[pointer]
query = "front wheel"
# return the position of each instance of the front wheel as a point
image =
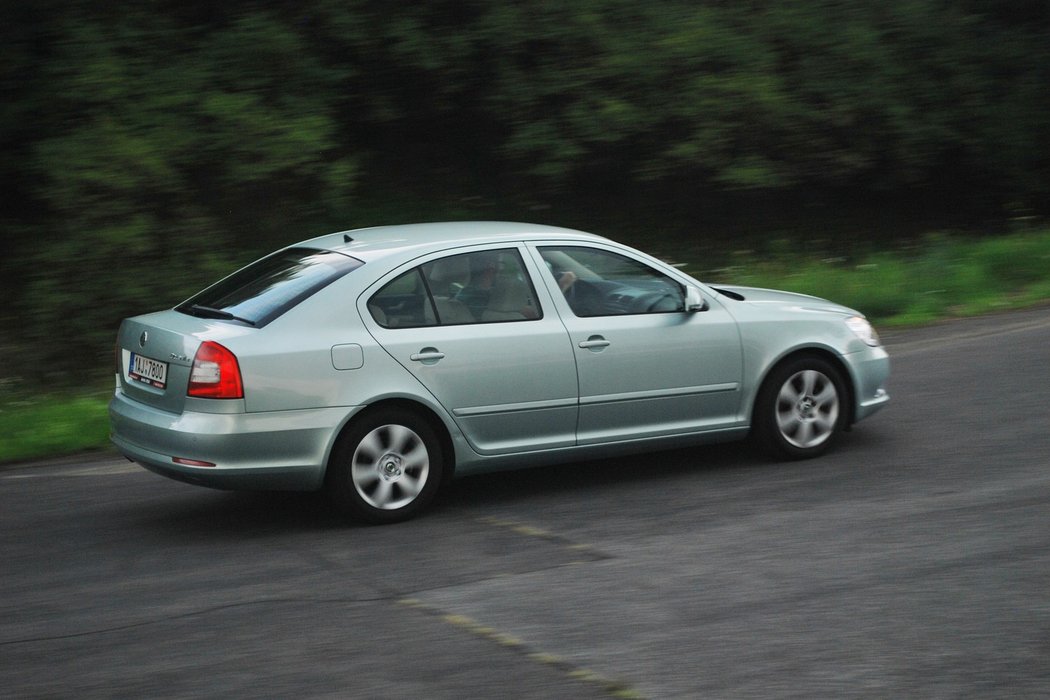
(800, 408)
(385, 468)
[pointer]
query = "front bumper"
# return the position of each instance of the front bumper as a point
(277, 450)
(870, 368)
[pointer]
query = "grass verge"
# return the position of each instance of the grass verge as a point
(53, 425)
(939, 277)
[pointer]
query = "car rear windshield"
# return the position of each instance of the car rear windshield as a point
(259, 293)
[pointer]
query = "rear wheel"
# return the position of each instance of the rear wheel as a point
(801, 408)
(386, 467)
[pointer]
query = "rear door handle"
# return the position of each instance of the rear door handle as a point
(427, 356)
(595, 342)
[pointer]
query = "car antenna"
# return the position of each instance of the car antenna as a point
(347, 238)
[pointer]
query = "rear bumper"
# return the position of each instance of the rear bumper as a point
(278, 450)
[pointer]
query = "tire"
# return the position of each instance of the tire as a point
(801, 408)
(386, 467)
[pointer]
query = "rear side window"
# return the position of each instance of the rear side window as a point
(489, 286)
(259, 293)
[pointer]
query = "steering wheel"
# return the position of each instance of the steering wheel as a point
(584, 298)
(651, 301)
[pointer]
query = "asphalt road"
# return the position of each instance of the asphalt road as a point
(913, 561)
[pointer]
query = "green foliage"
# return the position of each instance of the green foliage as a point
(150, 147)
(175, 161)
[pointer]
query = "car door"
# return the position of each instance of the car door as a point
(646, 366)
(470, 328)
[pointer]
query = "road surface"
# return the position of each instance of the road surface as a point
(912, 561)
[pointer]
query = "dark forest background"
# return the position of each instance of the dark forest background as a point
(151, 147)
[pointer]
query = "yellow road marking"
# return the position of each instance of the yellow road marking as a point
(615, 688)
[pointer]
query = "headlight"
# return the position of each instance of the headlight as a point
(860, 326)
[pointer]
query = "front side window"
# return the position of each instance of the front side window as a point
(599, 282)
(259, 293)
(488, 286)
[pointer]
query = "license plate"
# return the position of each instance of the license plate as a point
(152, 372)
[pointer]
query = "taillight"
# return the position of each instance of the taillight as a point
(215, 373)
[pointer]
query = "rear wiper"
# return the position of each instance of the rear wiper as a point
(211, 312)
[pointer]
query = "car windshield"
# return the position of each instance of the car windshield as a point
(259, 293)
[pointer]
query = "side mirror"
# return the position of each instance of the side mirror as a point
(694, 300)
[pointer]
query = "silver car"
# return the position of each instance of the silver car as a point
(378, 363)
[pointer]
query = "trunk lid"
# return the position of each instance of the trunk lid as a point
(156, 353)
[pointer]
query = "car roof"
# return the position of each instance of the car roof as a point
(383, 241)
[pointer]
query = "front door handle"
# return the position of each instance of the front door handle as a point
(595, 342)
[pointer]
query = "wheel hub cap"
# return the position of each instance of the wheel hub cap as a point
(390, 467)
(806, 407)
